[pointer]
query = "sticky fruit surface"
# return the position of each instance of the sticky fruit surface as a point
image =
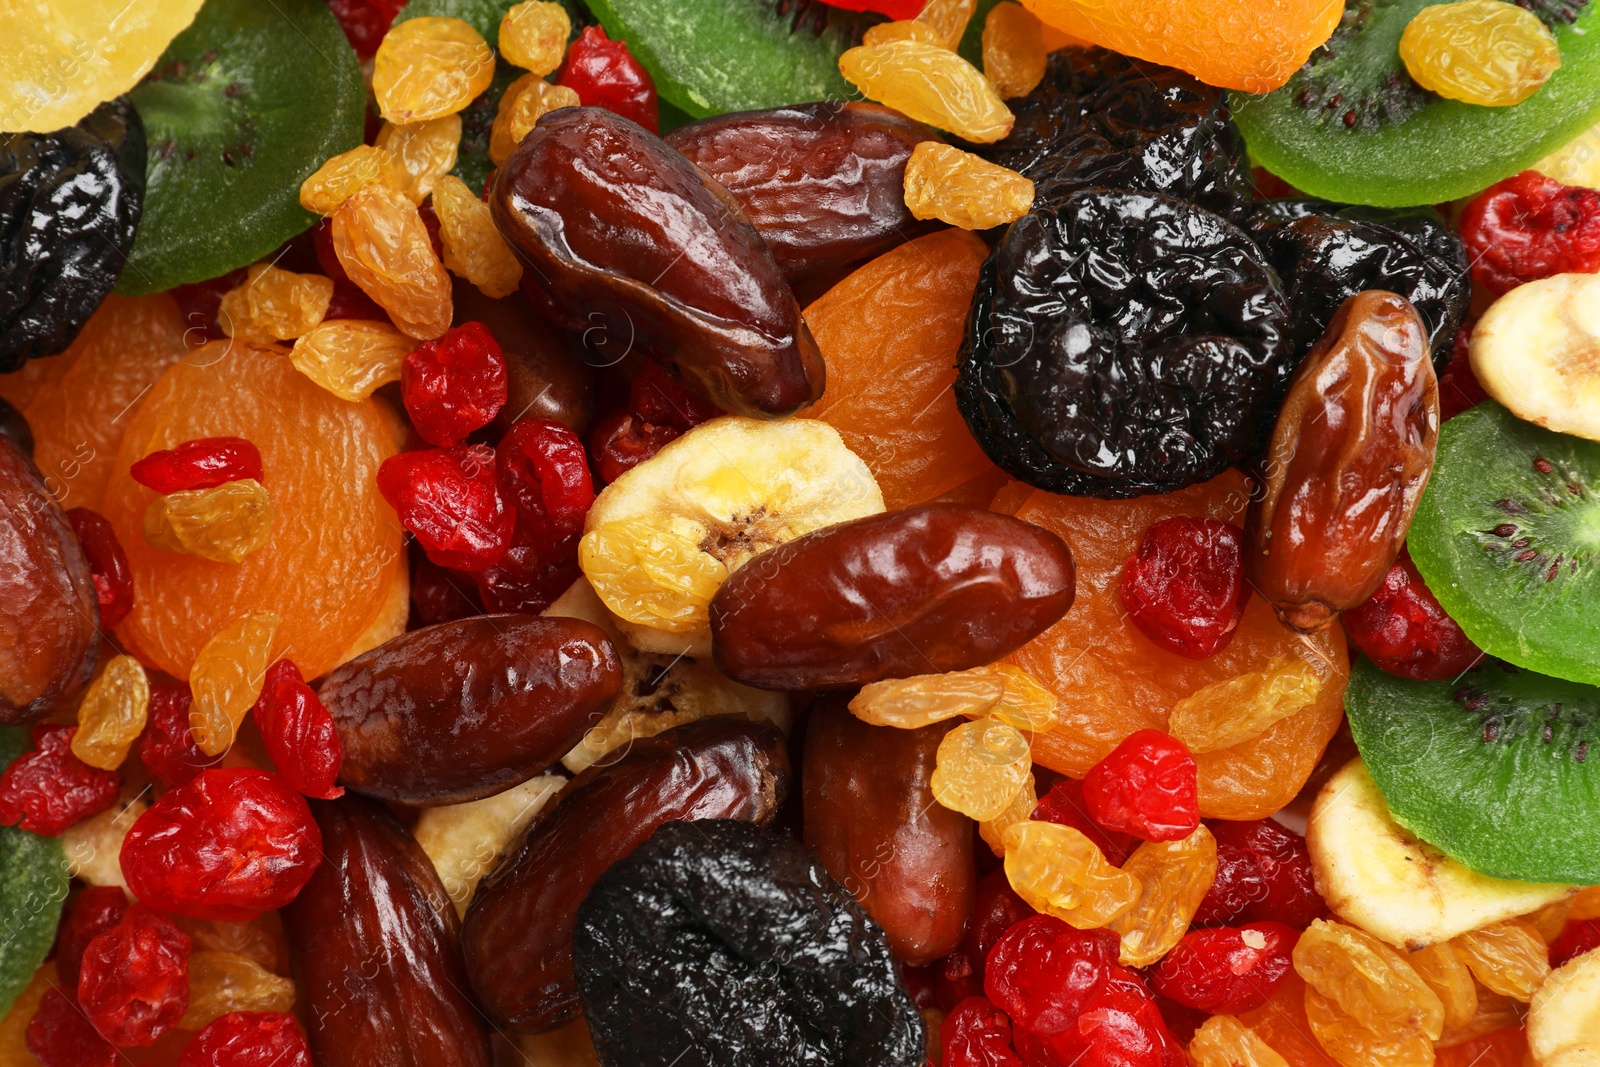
(929, 84)
(1484, 52)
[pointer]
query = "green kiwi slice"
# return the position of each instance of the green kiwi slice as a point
(239, 110)
(33, 886)
(1499, 768)
(1507, 536)
(1352, 126)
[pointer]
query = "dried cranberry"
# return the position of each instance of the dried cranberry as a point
(229, 845)
(108, 565)
(348, 302)
(60, 1036)
(1263, 875)
(604, 74)
(365, 21)
(202, 464)
(544, 471)
(1064, 804)
(95, 910)
(1530, 227)
(1228, 970)
(1148, 786)
(621, 441)
(977, 1034)
(1459, 388)
(1403, 629)
(440, 595)
(1576, 938)
(535, 570)
(944, 983)
(1042, 972)
(49, 789)
(167, 748)
(298, 732)
(455, 384)
(134, 983)
(248, 1039)
(1185, 589)
(449, 499)
(1117, 1028)
(996, 908)
(659, 398)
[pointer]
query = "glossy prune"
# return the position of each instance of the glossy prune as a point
(645, 250)
(719, 939)
(518, 932)
(1122, 344)
(939, 587)
(375, 945)
(466, 709)
(822, 183)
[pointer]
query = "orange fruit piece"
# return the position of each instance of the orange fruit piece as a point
(1281, 1022)
(325, 571)
(889, 334)
(1111, 680)
(1252, 45)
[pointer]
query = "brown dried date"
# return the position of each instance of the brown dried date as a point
(648, 252)
(376, 949)
(469, 708)
(940, 587)
(823, 183)
(1350, 455)
(545, 379)
(49, 615)
(518, 933)
(870, 817)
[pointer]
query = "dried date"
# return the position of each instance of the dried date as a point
(545, 379)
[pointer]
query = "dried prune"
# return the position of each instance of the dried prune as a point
(717, 939)
(1123, 343)
(69, 204)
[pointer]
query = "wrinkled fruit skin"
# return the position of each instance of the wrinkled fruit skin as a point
(824, 183)
(1185, 589)
(97, 909)
(1403, 629)
(604, 74)
(375, 945)
(1349, 458)
(735, 943)
(1263, 875)
(108, 565)
(1147, 787)
(134, 980)
(1064, 804)
(449, 500)
(248, 1039)
(202, 464)
(518, 931)
(298, 733)
(1222, 973)
(723, 312)
(940, 587)
(977, 1034)
(1530, 227)
(47, 789)
(167, 747)
(59, 1035)
(466, 709)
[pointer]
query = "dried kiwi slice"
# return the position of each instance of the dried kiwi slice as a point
(33, 886)
(1499, 768)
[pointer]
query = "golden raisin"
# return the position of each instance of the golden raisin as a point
(1013, 49)
(350, 358)
(1354, 1045)
(905, 30)
(220, 982)
(1483, 52)
(1174, 877)
(1494, 1012)
(1367, 979)
(1060, 872)
(910, 703)
(930, 84)
(1226, 1042)
(430, 67)
(384, 247)
(943, 182)
(260, 939)
(346, 173)
(473, 248)
(420, 154)
(1026, 704)
(274, 305)
(1446, 974)
(225, 524)
(112, 714)
(1232, 711)
(993, 831)
(525, 102)
(533, 36)
(980, 766)
(948, 20)
(226, 679)
(1509, 957)
(651, 576)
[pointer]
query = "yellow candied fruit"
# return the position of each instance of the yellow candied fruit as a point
(1226, 1042)
(993, 831)
(1575, 163)
(112, 714)
(651, 577)
(943, 182)
(466, 841)
(225, 524)
(274, 305)
(1173, 878)
(1234, 710)
(526, 101)
(221, 982)
(473, 247)
(1508, 957)
(384, 248)
(1485, 52)
(351, 358)
(924, 699)
(904, 30)
(1446, 974)
(347, 173)
(1367, 979)
(1060, 872)
(533, 35)
(420, 154)
(226, 679)
(1013, 49)
(979, 768)
(1343, 1037)
(930, 84)
(430, 67)
(948, 19)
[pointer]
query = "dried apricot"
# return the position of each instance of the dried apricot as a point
(1281, 1022)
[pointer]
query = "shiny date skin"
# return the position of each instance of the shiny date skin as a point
(940, 587)
(466, 709)
(870, 817)
(823, 183)
(649, 253)
(545, 379)
(518, 932)
(1350, 455)
(376, 949)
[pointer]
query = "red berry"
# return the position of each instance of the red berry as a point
(440, 595)
(1117, 1028)
(1263, 874)
(167, 748)
(1064, 804)
(455, 384)
(544, 471)
(198, 303)
(1185, 589)
(49, 789)
(229, 845)
(134, 985)
(248, 1039)
(996, 908)
(1459, 388)
(1576, 938)
(535, 570)
(365, 21)
(108, 565)
(1147, 787)
(894, 9)
(449, 499)
(657, 397)
(1042, 972)
(60, 1036)
(621, 441)
(1229, 970)
(95, 910)
(977, 1034)
(604, 74)
(202, 464)
(1403, 629)
(298, 732)
(1530, 227)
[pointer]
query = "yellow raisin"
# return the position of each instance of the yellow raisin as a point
(421, 153)
(979, 768)
(274, 305)
(220, 982)
(342, 176)
(1027, 704)
(473, 247)
(905, 30)
(1013, 49)
(948, 19)
(1174, 877)
(1509, 957)
(943, 182)
(1353, 1045)
(526, 101)
(430, 67)
(384, 247)
(1368, 980)
(924, 699)
(93, 847)
(226, 679)
(112, 714)
(533, 36)
(1234, 710)
(993, 831)
(224, 524)
(260, 940)
(930, 84)
(1485, 52)
(650, 576)
(1060, 872)
(1447, 975)
(1495, 1012)
(1226, 1042)
(350, 358)
(1551, 919)
(1575, 163)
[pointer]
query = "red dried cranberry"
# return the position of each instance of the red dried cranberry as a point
(1403, 629)
(1117, 1028)
(1042, 972)
(1228, 970)
(659, 398)
(198, 303)
(996, 908)
(248, 1039)
(430, 222)
(1185, 589)
(455, 384)
(440, 595)
(1459, 388)
(94, 911)
(229, 845)
(134, 984)
(167, 748)
(622, 441)
(108, 565)
(365, 21)
(49, 789)
(1530, 227)
(977, 1034)
(60, 1036)
(202, 464)
(534, 571)
(298, 733)
(544, 471)
(1148, 786)
(1182, 1021)
(449, 499)
(1263, 875)
(348, 302)
(604, 74)
(1064, 804)
(1576, 938)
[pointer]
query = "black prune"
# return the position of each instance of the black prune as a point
(1121, 344)
(69, 204)
(716, 944)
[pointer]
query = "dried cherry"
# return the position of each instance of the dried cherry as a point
(94, 911)
(622, 440)
(48, 789)
(454, 384)
(1147, 786)
(134, 979)
(544, 471)
(659, 398)
(365, 21)
(1227, 971)
(201, 464)
(1530, 227)
(977, 1034)
(1403, 629)
(167, 747)
(1263, 874)
(537, 568)
(108, 565)
(1185, 588)
(604, 74)
(449, 500)
(298, 732)
(248, 1039)
(60, 1036)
